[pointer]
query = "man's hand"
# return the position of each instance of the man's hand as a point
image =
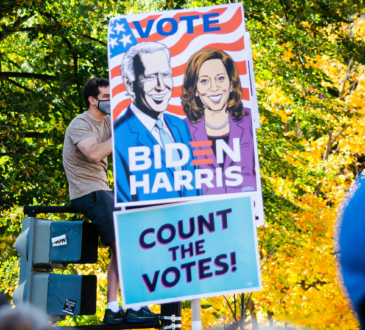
(93, 150)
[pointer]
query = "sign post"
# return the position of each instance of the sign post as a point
(196, 318)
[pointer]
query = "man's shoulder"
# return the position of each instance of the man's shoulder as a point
(81, 119)
(81, 116)
(107, 120)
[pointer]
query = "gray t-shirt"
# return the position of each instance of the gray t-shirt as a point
(83, 175)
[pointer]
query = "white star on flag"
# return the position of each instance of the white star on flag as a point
(113, 42)
(126, 39)
(119, 27)
(111, 30)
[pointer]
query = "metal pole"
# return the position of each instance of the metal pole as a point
(196, 319)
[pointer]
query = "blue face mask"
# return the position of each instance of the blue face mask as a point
(104, 106)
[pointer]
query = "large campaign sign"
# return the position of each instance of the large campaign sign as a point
(186, 251)
(184, 107)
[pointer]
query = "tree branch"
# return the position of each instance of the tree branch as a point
(270, 314)
(45, 77)
(328, 147)
(35, 135)
(233, 314)
(249, 298)
(297, 129)
(295, 14)
(20, 86)
(333, 92)
(285, 14)
(70, 81)
(251, 307)
(354, 83)
(243, 312)
(339, 133)
(306, 287)
(12, 62)
(345, 79)
(94, 39)
(54, 19)
(331, 141)
(15, 26)
(28, 29)
(75, 67)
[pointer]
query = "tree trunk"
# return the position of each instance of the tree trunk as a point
(270, 314)
(251, 307)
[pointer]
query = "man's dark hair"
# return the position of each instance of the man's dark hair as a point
(91, 88)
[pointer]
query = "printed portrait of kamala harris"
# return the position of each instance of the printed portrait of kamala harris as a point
(212, 101)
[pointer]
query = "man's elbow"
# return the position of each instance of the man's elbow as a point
(95, 159)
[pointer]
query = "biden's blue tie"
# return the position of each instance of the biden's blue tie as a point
(165, 138)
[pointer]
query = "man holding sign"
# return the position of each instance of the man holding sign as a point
(87, 145)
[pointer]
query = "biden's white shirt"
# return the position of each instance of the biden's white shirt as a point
(150, 124)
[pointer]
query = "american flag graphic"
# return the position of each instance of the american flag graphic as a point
(123, 34)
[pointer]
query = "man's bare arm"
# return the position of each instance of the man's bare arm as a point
(93, 150)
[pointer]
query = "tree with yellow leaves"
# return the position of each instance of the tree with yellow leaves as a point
(309, 60)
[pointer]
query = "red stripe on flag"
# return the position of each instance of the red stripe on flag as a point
(241, 67)
(226, 28)
(156, 37)
(245, 94)
(233, 46)
(176, 109)
(178, 70)
(119, 108)
(191, 13)
(115, 72)
(118, 89)
(177, 91)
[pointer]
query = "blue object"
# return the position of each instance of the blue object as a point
(161, 28)
(121, 37)
(166, 139)
(60, 288)
(143, 34)
(70, 252)
(130, 132)
(352, 250)
(207, 23)
(189, 22)
(186, 251)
